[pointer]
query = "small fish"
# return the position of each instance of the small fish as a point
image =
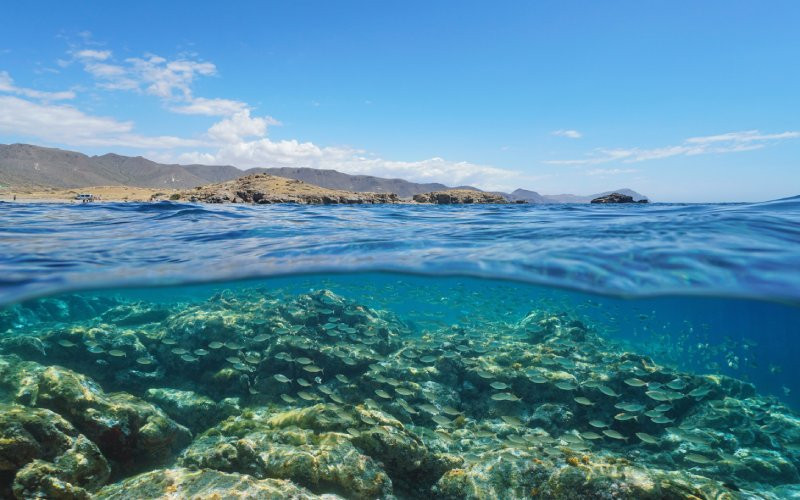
(658, 395)
(312, 368)
(647, 438)
(288, 399)
(144, 361)
(512, 421)
(200, 352)
(306, 395)
(429, 408)
(583, 401)
(304, 361)
(661, 419)
(233, 346)
(336, 398)
(96, 349)
(700, 392)
(499, 385)
(538, 379)
(677, 384)
(635, 382)
(66, 343)
(303, 382)
(449, 410)
(441, 420)
(116, 353)
(189, 358)
(428, 359)
(253, 360)
(383, 394)
(591, 435)
(214, 345)
(342, 378)
(257, 338)
(566, 386)
(614, 434)
(167, 341)
(697, 458)
(178, 351)
(403, 391)
(608, 391)
(599, 424)
(625, 416)
(485, 374)
(283, 379)
(663, 407)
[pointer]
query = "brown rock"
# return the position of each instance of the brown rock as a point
(267, 189)
(458, 196)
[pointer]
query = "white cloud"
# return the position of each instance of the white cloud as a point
(170, 80)
(7, 85)
(210, 107)
(731, 142)
(611, 171)
(100, 55)
(64, 124)
(571, 134)
(242, 140)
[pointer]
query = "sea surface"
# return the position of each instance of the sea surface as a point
(579, 310)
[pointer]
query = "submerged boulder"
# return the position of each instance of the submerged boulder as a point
(127, 429)
(43, 456)
(359, 454)
(185, 483)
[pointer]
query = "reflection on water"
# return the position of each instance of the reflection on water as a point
(371, 385)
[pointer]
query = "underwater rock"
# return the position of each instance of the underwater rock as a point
(324, 448)
(134, 314)
(193, 410)
(45, 456)
(185, 483)
(127, 429)
(521, 475)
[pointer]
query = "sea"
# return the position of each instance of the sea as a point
(575, 337)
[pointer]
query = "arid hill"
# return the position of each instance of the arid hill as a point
(265, 189)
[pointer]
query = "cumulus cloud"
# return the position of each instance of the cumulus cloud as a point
(169, 80)
(611, 171)
(7, 85)
(242, 140)
(65, 124)
(210, 107)
(730, 142)
(571, 134)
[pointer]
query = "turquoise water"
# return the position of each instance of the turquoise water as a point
(426, 315)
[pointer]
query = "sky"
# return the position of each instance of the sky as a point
(682, 101)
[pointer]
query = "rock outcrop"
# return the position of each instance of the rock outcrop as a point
(617, 198)
(267, 189)
(458, 197)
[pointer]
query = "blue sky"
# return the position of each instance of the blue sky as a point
(682, 101)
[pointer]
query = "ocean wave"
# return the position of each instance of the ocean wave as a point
(747, 250)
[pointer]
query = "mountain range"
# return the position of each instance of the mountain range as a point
(29, 166)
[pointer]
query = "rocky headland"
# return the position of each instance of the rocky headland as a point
(459, 197)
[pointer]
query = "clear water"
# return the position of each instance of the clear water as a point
(702, 291)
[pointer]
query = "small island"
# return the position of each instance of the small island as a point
(617, 198)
